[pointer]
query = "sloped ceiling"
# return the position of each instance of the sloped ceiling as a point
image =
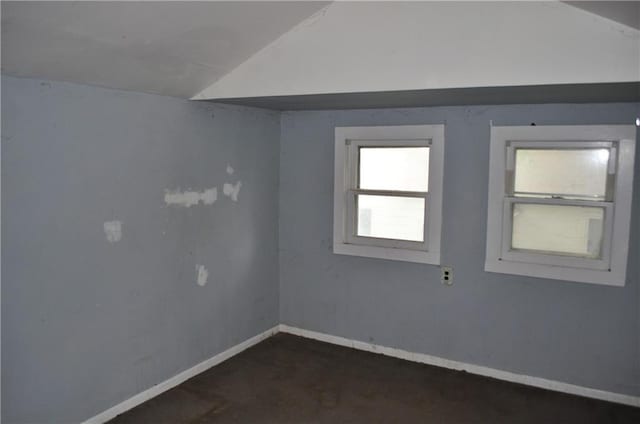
(249, 49)
(624, 12)
(358, 47)
(170, 48)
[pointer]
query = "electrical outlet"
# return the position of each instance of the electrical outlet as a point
(447, 275)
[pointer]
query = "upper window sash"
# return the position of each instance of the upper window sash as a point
(353, 151)
(510, 169)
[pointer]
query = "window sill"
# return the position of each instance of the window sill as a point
(590, 276)
(394, 254)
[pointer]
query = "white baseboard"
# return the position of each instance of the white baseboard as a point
(178, 379)
(543, 383)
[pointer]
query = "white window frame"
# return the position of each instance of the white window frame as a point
(348, 140)
(610, 268)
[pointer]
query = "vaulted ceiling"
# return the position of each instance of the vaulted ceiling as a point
(221, 50)
(173, 48)
(391, 46)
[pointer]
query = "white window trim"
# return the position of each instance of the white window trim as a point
(560, 267)
(344, 240)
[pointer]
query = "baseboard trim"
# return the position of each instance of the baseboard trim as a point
(528, 380)
(178, 379)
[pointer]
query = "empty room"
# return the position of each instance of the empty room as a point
(320, 212)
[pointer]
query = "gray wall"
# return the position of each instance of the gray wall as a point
(573, 332)
(87, 323)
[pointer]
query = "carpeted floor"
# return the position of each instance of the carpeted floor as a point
(288, 379)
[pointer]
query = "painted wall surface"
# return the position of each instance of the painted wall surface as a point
(107, 289)
(578, 333)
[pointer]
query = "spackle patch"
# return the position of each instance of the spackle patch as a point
(113, 231)
(203, 274)
(232, 190)
(230, 170)
(190, 198)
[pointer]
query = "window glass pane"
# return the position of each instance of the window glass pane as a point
(400, 218)
(394, 168)
(564, 230)
(578, 173)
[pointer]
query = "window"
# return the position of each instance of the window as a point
(560, 202)
(388, 192)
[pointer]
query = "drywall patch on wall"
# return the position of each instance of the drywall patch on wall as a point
(232, 190)
(190, 198)
(230, 170)
(203, 275)
(113, 231)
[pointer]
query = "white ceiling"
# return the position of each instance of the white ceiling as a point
(170, 48)
(358, 47)
(213, 50)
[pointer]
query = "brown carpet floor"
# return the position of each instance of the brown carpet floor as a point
(288, 379)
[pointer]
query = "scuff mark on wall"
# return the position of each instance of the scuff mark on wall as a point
(113, 231)
(232, 190)
(190, 198)
(203, 274)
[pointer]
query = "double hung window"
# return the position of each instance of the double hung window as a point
(388, 192)
(560, 202)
